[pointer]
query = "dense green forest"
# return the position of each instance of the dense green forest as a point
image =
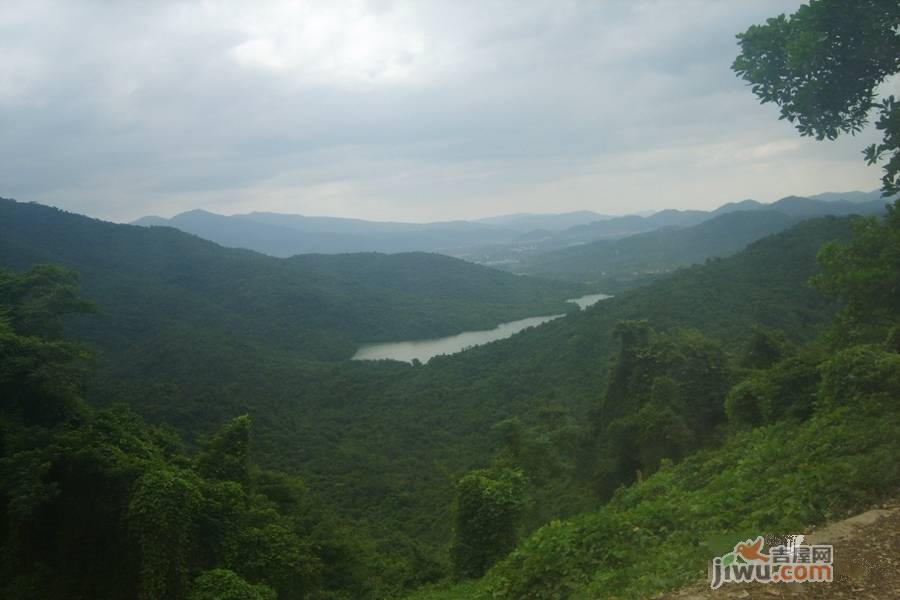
(383, 444)
(805, 433)
(593, 398)
(99, 505)
(159, 289)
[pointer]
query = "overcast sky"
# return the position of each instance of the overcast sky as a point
(395, 110)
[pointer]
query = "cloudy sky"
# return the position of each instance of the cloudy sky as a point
(395, 110)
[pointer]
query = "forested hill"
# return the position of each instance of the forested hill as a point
(657, 251)
(189, 325)
(385, 441)
(789, 434)
(161, 291)
(622, 261)
(625, 261)
(562, 364)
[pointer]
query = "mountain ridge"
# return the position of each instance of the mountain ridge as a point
(315, 305)
(284, 234)
(667, 248)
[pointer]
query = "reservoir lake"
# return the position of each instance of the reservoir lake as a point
(424, 350)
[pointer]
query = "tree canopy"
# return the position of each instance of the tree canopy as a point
(98, 504)
(866, 276)
(822, 65)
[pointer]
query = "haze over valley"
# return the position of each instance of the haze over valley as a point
(582, 246)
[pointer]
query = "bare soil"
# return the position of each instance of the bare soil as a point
(866, 565)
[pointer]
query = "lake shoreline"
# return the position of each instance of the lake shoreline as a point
(424, 350)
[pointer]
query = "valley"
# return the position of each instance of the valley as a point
(424, 350)
(449, 301)
(381, 442)
(614, 252)
(316, 414)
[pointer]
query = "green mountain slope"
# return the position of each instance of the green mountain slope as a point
(810, 436)
(637, 256)
(160, 289)
(382, 442)
(386, 441)
(96, 504)
(660, 250)
(661, 533)
(622, 250)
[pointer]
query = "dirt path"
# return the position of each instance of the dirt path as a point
(866, 565)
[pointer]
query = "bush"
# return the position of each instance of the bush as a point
(222, 584)
(859, 371)
(750, 403)
(488, 506)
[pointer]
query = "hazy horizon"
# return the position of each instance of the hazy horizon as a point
(469, 219)
(395, 111)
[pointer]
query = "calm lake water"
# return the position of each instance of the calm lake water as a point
(588, 300)
(425, 350)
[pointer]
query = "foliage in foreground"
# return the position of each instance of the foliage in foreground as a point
(779, 478)
(97, 504)
(822, 441)
(822, 65)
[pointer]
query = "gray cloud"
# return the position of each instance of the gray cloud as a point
(394, 110)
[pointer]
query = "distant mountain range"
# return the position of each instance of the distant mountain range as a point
(620, 227)
(733, 227)
(159, 288)
(857, 197)
(487, 240)
(285, 235)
